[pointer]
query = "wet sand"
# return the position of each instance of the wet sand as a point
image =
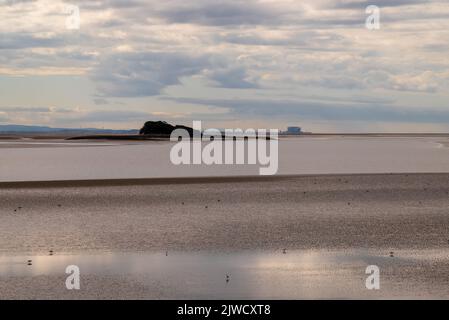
(361, 216)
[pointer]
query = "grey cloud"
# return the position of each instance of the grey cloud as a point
(112, 116)
(238, 12)
(248, 13)
(144, 74)
(256, 40)
(24, 58)
(362, 4)
(76, 55)
(105, 4)
(234, 78)
(323, 111)
(307, 40)
(147, 74)
(34, 110)
(100, 101)
(24, 40)
(334, 82)
(221, 12)
(13, 2)
(70, 115)
(24, 109)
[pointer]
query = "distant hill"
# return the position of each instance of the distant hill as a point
(11, 128)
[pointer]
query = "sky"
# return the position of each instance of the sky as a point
(228, 63)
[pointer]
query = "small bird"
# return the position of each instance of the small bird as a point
(284, 251)
(51, 252)
(391, 254)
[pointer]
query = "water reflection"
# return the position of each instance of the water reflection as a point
(258, 275)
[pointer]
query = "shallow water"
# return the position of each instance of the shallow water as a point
(252, 275)
(306, 155)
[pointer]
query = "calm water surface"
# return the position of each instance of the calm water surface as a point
(27, 161)
(251, 275)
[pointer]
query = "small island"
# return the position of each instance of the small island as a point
(151, 130)
(162, 130)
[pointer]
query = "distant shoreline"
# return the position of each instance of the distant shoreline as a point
(165, 137)
(127, 137)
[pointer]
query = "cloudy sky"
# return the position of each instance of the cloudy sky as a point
(230, 63)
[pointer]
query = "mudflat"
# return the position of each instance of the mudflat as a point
(327, 211)
(324, 229)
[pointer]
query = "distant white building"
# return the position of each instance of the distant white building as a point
(293, 131)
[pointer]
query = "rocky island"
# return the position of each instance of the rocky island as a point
(151, 130)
